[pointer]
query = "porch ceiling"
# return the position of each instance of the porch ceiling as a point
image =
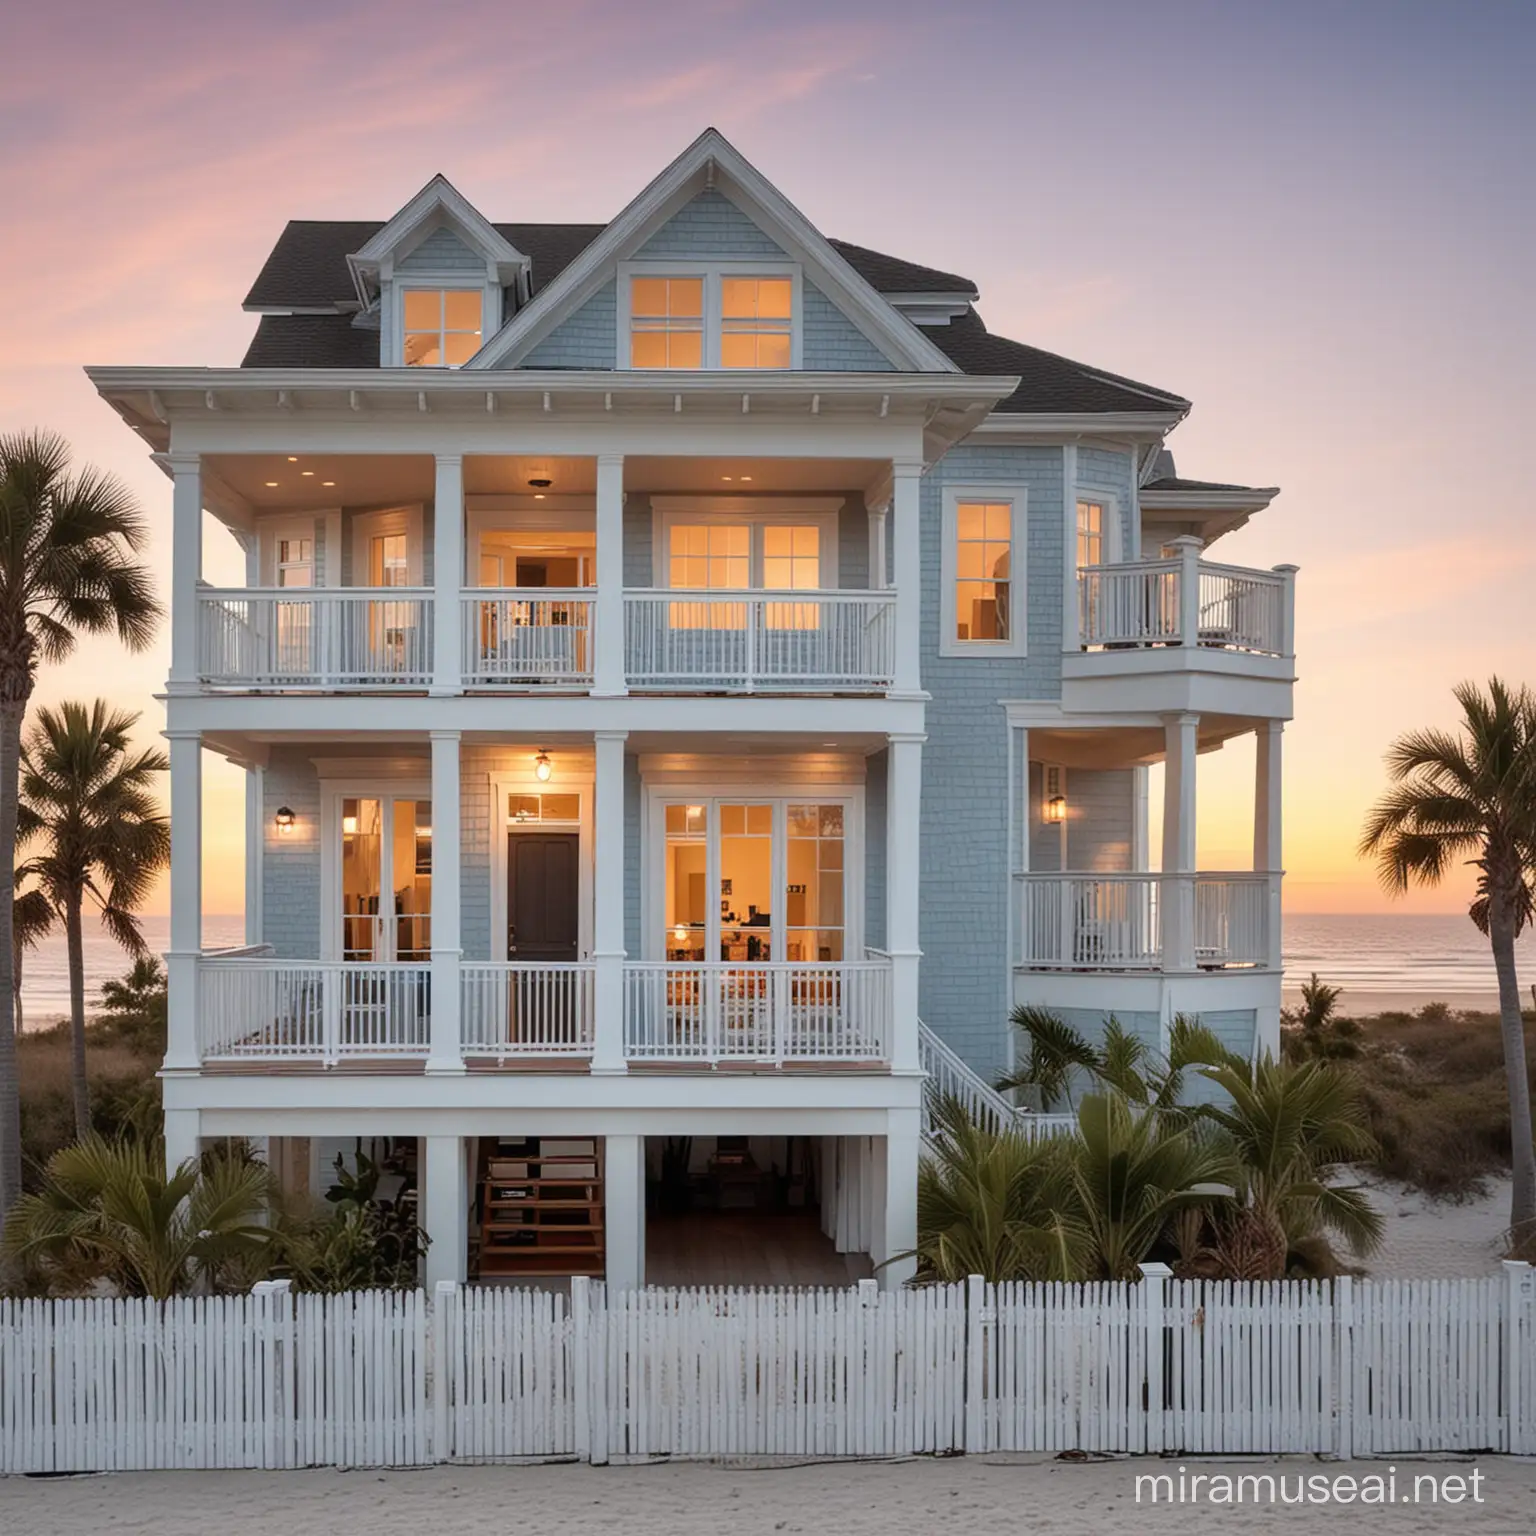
(1126, 746)
(313, 482)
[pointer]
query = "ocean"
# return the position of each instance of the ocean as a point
(1414, 954)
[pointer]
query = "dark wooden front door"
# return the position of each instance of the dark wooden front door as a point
(543, 887)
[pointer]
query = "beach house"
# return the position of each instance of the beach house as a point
(692, 679)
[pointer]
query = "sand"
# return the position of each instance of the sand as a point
(974, 1494)
(1438, 1240)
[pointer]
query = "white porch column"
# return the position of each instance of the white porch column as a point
(186, 567)
(448, 576)
(906, 501)
(255, 849)
(445, 1053)
(1181, 739)
(1186, 550)
(182, 1139)
(445, 1204)
(608, 676)
(1268, 849)
(186, 756)
(877, 507)
(608, 953)
(903, 897)
(624, 1211)
(900, 1190)
(1287, 573)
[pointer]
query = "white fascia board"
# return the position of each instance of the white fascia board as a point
(1129, 426)
(709, 160)
(1252, 500)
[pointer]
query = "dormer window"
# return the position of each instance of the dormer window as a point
(709, 317)
(443, 327)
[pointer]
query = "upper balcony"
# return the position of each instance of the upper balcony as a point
(577, 575)
(1182, 633)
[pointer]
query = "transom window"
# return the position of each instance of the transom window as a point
(983, 555)
(442, 326)
(983, 570)
(712, 318)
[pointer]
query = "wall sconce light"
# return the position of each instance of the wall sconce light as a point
(542, 767)
(349, 826)
(680, 934)
(1056, 808)
(284, 820)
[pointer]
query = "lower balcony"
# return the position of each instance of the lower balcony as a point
(1146, 922)
(254, 1009)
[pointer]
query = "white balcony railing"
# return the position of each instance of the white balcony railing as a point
(1134, 922)
(352, 637)
(1158, 602)
(773, 1012)
(752, 641)
(512, 1010)
(517, 637)
(257, 1009)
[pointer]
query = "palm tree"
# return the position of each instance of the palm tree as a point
(1057, 1055)
(68, 548)
(1471, 796)
(88, 806)
(32, 920)
(107, 1210)
(1292, 1128)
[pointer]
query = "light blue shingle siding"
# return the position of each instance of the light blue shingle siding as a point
(586, 339)
(442, 252)
(477, 820)
(290, 899)
(634, 945)
(1099, 818)
(1098, 469)
(966, 989)
(876, 767)
(831, 342)
(709, 228)
(1234, 1027)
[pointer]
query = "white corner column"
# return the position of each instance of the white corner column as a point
(181, 960)
(624, 1211)
(907, 567)
(255, 850)
(182, 1137)
(608, 675)
(1186, 549)
(445, 1202)
(898, 1188)
(1181, 744)
(448, 575)
(877, 504)
(1268, 849)
(186, 568)
(608, 953)
(445, 1053)
(903, 892)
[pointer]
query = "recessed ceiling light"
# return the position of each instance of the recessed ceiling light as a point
(271, 485)
(538, 495)
(293, 458)
(327, 482)
(746, 477)
(727, 477)
(308, 473)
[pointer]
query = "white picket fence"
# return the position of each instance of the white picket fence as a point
(483, 1375)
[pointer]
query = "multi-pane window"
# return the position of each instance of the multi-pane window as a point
(443, 326)
(1090, 532)
(755, 320)
(813, 891)
(710, 555)
(983, 558)
(778, 557)
(666, 322)
(295, 562)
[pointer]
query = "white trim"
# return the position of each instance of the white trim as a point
(374, 785)
(1017, 497)
(272, 529)
(710, 161)
(581, 781)
(367, 526)
(1110, 501)
(392, 336)
(658, 789)
(668, 512)
(712, 273)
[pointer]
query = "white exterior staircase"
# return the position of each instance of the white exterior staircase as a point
(951, 1077)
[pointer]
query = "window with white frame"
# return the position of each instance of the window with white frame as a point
(983, 570)
(1092, 531)
(441, 327)
(710, 317)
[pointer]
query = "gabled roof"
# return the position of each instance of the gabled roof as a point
(1047, 381)
(437, 202)
(712, 162)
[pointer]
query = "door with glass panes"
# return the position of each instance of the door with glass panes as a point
(384, 928)
(754, 918)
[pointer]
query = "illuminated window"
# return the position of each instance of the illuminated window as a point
(524, 810)
(295, 562)
(1090, 532)
(755, 317)
(709, 319)
(443, 326)
(747, 556)
(983, 576)
(666, 322)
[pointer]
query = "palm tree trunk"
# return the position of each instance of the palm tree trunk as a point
(12, 711)
(1522, 1205)
(76, 941)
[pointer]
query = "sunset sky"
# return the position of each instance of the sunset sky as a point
(1317, 221)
